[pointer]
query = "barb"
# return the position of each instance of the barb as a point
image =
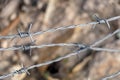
(20, 71)
(62, 28)
(27, 47)
(99, 21)
(26, 34)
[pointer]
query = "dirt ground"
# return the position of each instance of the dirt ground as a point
(46, 14)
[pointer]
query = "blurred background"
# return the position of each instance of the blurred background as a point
(46, 14)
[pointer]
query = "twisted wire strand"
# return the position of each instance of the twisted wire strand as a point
(81, 46)
(103, 39)
(62, 28)
(41, 46)
(111, 76)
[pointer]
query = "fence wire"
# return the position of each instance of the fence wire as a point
(27, 34)
(81, 47)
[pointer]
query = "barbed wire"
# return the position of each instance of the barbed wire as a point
(81, 47)
(111, 76)
(28, 34)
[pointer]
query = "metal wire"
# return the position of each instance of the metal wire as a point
(27, 47)
(111, 76)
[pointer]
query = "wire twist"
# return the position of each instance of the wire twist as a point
(26, 34)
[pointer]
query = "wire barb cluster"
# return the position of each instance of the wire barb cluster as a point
(26, 34)
(21, 70)
(99, 21)
(81, 47)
